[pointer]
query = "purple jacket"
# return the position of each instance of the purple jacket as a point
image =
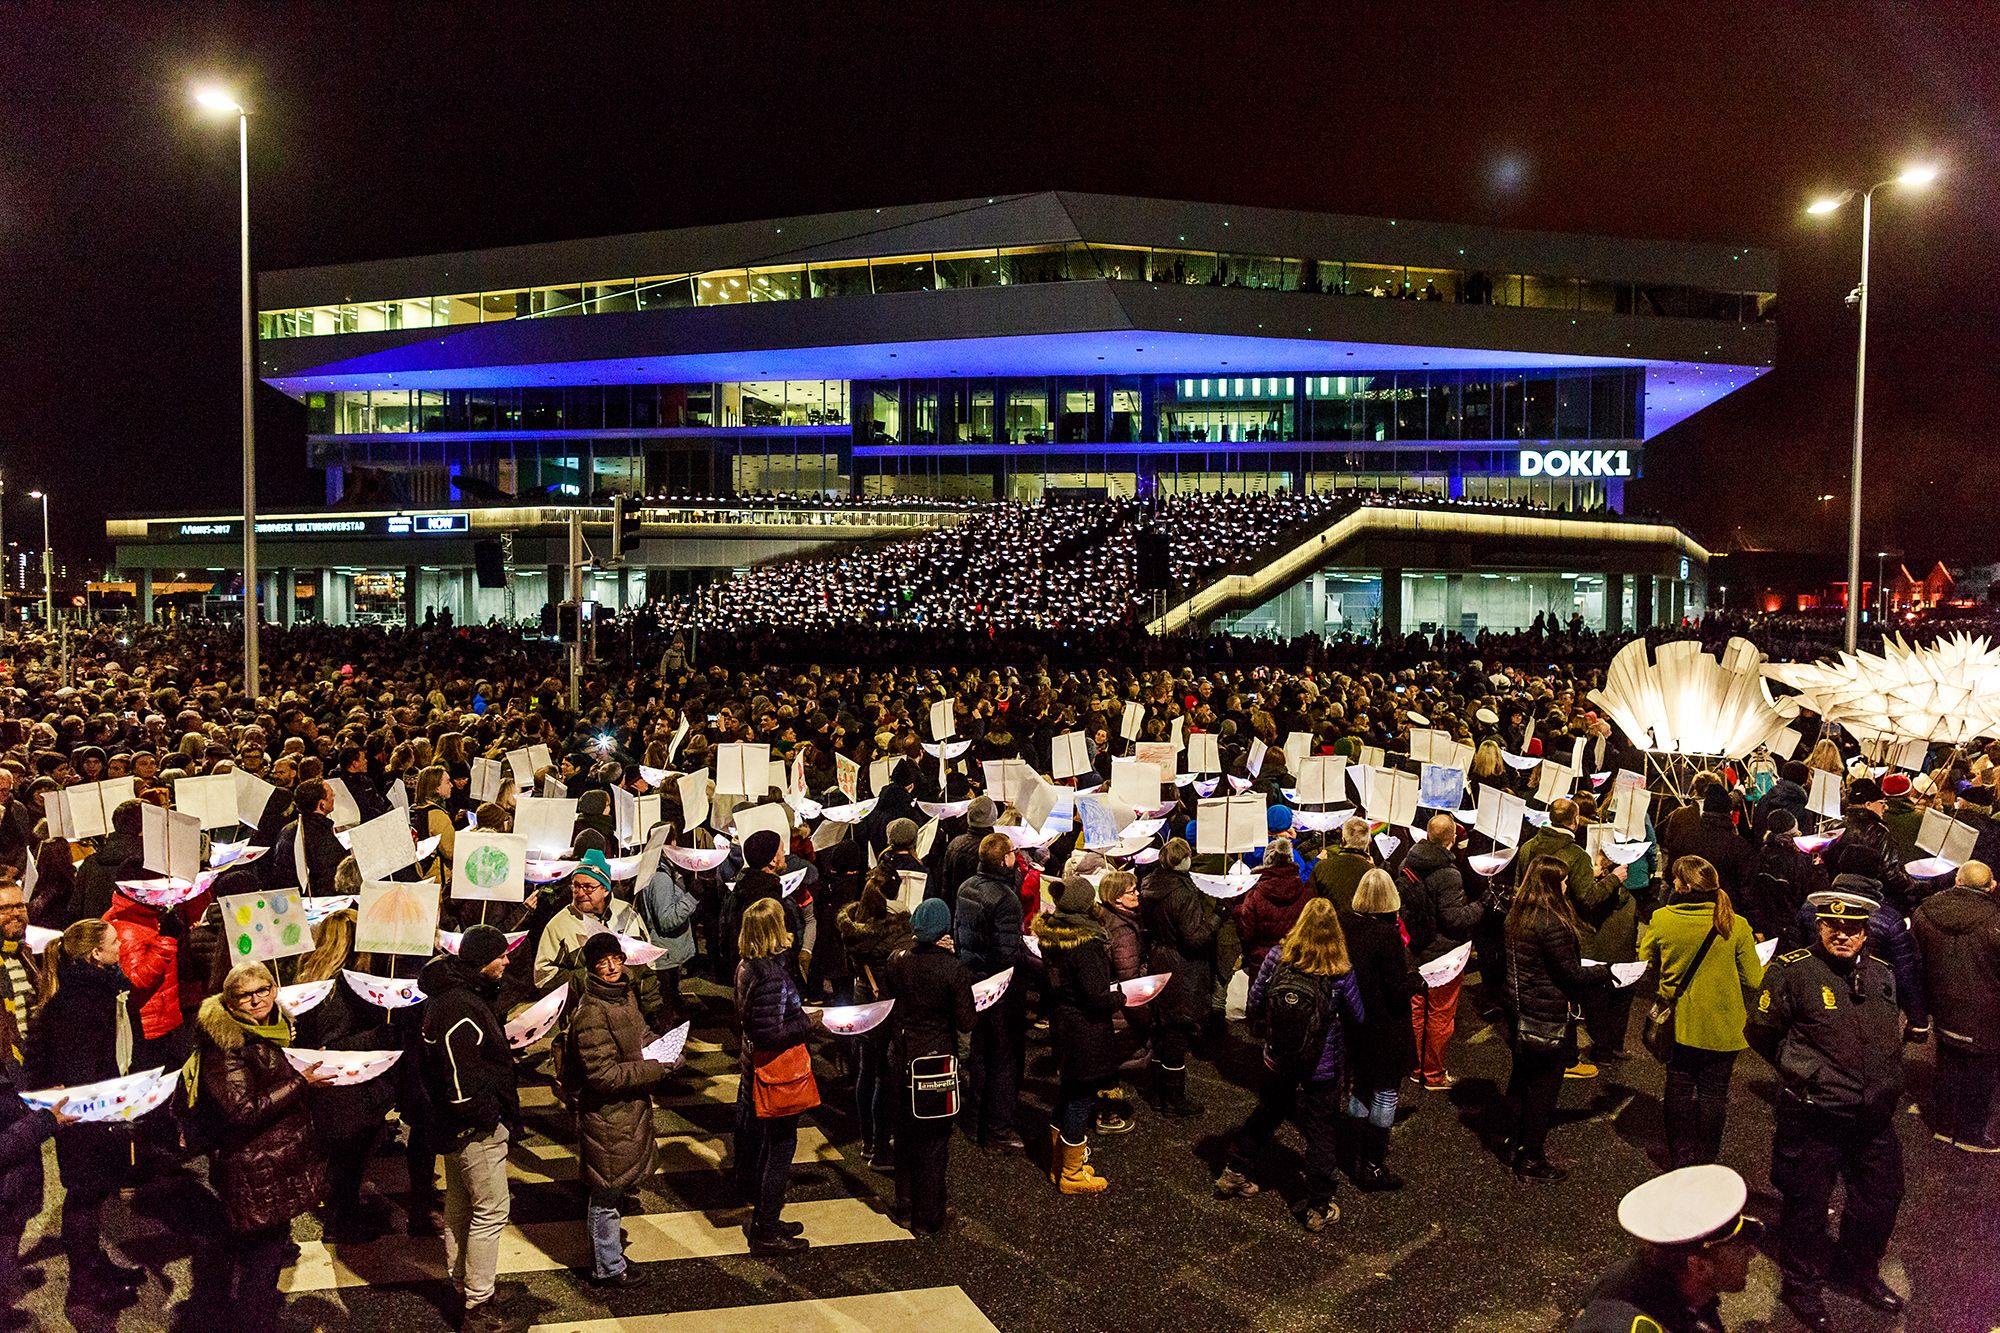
(1347, 999)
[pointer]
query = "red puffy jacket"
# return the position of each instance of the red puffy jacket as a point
(150, 961)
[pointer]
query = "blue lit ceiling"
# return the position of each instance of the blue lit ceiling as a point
(1674, 389)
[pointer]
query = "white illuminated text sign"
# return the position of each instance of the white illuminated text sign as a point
(1576, 462)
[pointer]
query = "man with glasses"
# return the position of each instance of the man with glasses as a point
(1827, 1020)
(18, 973)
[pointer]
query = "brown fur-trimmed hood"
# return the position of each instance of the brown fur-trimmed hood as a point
(1059, 930)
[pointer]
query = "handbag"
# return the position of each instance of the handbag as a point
(1658, 1032)
(1543, 1034)
(782, 1083)
(934, 1087)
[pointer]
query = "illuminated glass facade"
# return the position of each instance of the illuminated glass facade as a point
(1036, 344)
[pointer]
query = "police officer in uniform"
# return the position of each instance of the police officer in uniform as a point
(1698, 1245)
(1827, 1021)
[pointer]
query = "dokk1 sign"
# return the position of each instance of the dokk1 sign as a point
(1576, 462)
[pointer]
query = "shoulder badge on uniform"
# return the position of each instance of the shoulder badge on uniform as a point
(1826, 997)
(1795, 955)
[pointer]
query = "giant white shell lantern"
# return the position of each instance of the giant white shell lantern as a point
(1677, 699)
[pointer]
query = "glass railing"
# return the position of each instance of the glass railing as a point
(1072, 261)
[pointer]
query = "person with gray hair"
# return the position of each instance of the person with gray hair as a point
(1341, 869)
(1958, 936)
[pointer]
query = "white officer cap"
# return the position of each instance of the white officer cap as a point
(1696, 1205)
(1842, 904)
(1488, 716)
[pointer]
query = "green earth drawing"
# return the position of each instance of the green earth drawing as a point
(487, 867)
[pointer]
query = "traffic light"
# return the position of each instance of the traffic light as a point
(624, 525)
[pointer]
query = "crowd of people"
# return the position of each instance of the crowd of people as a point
(916, 871)
(1060, 565)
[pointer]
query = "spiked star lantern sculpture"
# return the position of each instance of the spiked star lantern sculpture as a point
(1946, 692)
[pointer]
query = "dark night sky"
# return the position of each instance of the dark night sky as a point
(382, 131)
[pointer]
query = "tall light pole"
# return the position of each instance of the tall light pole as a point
(215, 99)
(1913, 177)
(49, 585)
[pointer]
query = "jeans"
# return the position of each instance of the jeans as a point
(1534, 1086)
(1697, 1101)
(993, 1066)
(873, 1111)
(476, 1205)
(1375, 1105)
(1076, 1108)
(1318, 1104)
(764, 1151)
(1434, 1016)
(1962, 1093)
(607, 1241)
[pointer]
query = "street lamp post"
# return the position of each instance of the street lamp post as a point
(1911, 177)
(215, 99)
(49, 585)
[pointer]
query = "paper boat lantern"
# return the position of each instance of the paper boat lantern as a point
(944, 809)
(1624, 853)
(533, 1023)
(851, 1020)
(952, 749)
(319, 909)
(697, 858)
(1947, 691)
(41, 937)
(384, 992)
(1679, 700)
(115, 1100)
(1812, 844)
(987, 993)
(638, 952)
(1766, 951)
(347, 1067)
(1032, 945)
(1239, 881)
(1142, 990)
(1441, 971)
(304, 997)
(805, 807)
(223, 854)
(852, 813)
(450, 940)
(667, 1049)
(161, 892)
(1023, 837)
(548, 872)
(1487, 865)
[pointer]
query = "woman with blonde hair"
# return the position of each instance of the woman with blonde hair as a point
(1825, 757)
(774, 1026)
(1305, 993)
(1705, 955)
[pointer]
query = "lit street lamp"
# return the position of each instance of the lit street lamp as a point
(1912, 177)
(48, 583)
(211, 98)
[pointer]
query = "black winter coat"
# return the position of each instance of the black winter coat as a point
(74, 1040)
(933, 994)
(117, 857)
(1545, 971)
(468, 1068)
(1081, 999)
(1958, 934)
(1780, 878)
(986, 923)
(1716, 841)
(1180, 937)
(322, 859)
(961, 862)
(768, 1008)
(1433, 891)
(22, 1134)
(870, 945)
(1383, 1050)
(269, 1164)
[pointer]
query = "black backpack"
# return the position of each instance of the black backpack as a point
(1296, 1008)
(1418, 915)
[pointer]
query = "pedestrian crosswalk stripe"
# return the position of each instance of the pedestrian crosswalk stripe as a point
(715, 1088)
(540, 1247)
(930, 1310)
(680, 1154)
